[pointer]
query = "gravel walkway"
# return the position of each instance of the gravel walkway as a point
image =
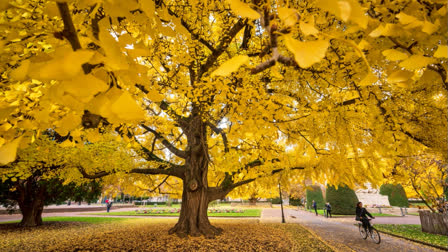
(343, 235)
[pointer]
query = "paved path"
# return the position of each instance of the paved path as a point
(342, 234)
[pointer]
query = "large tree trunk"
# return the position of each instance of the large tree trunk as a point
(31, 215)
(193, 219)
(31, 202)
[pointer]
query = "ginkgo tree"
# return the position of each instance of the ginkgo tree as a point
(221, 93)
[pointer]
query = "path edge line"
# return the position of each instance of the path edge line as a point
(322, 240)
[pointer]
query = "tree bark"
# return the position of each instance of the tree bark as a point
(31, 215)
(193, 219)
(31, 203)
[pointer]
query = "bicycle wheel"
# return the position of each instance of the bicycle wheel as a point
(375, 236)
(362, 231)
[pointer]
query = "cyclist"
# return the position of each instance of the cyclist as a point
(361, 215)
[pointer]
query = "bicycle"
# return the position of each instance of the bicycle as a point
(372, 232)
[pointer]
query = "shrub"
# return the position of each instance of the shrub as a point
(295, 202)
(314, 193)
(396, 194)
(342, 200)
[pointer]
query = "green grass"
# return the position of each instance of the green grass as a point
(414, 232)
(77, 219)
(247, 213)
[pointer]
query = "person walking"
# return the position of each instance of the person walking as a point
(361, 215)
(108, 204)
(328, 206)
(314, 204)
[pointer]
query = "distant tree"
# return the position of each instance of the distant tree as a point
(343, 199)
(33, 193)
(46, 173)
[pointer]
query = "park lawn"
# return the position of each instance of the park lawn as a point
(151, 234)
(414, 232)
(75, 219)
(246, 213)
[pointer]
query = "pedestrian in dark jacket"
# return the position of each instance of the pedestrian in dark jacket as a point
(328, 206)
(361, 215)
(315, 206)
(108, 205)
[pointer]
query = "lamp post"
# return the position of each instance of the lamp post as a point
(281, 201)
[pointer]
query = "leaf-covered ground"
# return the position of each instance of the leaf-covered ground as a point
(152, 235)
(414, 232)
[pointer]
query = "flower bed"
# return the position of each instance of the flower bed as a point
(177, 210)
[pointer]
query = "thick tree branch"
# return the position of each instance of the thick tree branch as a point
(222, 133)
(225, 41)
(226, 187)
(69, 31)
(159, 185)
(93, 176)
(172, 171)
(166, 143)
(191, 31)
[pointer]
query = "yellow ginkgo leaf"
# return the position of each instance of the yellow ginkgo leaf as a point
(68, 123)
(231, 65)
(20, 73)
(6, 110)
(406, 19)
(364, 45)
(8, 151)
(368, 80)
(4, 5)
(154, 96)
(148, 6)
(115, 58)
(306, 53)
(93, 136)
(67, 143)
(392, 55)
(288, 16)
(399, 76)
(345, 9)
(391, 30)
(243, 9)
(308, 28)
(331, 6)
(416, 62)
(84, 87)
(430, 28)
(441, 52)
(127, 109)
(63, 67)
(357, 14)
